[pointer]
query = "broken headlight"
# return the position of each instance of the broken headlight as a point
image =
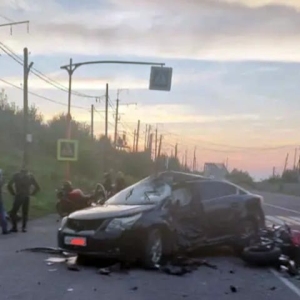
(122, 223)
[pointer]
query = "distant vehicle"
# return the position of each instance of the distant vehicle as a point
(162, 215)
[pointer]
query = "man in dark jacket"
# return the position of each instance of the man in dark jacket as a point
(20, 186)
(120, 182)
(3, 220)
(107, 183)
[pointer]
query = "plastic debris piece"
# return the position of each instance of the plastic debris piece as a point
(104, 271)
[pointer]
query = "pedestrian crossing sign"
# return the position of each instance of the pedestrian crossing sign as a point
(67, 150)
(160, 79)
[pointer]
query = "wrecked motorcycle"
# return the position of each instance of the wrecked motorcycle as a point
(274, 246)
(76, 200)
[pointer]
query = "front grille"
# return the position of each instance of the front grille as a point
(84, 225)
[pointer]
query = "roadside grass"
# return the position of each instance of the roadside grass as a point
(49, 173)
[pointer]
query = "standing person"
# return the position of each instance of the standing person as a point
(120, 182)
(107, 184)
(2, 210)
(20, 186)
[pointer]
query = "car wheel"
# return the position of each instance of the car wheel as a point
(153, 249)
(246, 235)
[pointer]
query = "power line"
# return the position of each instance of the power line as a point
(196, 141)
(40, 96)
(99, 113)
(7, 19)
(42, 76)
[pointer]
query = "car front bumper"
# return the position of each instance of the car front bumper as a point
(122, 245)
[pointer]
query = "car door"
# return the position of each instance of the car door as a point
(220, 202)
(187, 219)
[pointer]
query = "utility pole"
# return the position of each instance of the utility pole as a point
(137, 136)
(26, 137)
(145, 142)
(159, 146)
(116, 122)
(149, 135)
(185, 165)
(194, 160)
(295, 158)
(150, 144)
(176, 151)
(134, 141)
(274, 172)
(156, 141)
(285, 163)
(92, 121)
(106, 111)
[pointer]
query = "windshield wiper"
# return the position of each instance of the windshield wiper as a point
(152, 192)
(147, 196)
(129, 194)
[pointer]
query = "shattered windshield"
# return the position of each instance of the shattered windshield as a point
(147, 191)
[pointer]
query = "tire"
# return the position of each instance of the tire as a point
(60, 211)
(153, 249)
(245, 236)
(261, 257)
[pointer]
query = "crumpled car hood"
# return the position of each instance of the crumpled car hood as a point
(109, 211)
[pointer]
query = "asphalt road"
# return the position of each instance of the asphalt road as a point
(26, 275)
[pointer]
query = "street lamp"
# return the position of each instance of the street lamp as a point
(71, 69)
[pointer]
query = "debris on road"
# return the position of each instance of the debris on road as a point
(73, 267)
(135, 288)
(104, 271)
(47, 250)
(278, 246)
(54, 260)
(233, 289)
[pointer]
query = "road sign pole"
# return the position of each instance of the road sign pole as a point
(69, 118)
(72, 67)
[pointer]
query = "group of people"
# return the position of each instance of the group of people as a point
(22, 185)
(118, 186)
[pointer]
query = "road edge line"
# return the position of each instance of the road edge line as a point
(286, 282)
(282, 208)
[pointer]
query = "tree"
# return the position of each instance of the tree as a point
(290, 176)
(240, 177)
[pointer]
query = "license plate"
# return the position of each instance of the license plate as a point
(75, 241)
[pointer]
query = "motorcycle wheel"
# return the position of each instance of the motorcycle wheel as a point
(61, 212)
(260, 256)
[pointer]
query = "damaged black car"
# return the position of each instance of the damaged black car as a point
(163, 215)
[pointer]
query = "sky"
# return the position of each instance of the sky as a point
(236, 69)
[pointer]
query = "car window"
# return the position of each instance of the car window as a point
(241, 192)
(181, 195)
(212, 190)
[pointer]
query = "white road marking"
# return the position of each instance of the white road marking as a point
(289, 220)
(287, 283)
(281, 220)
(282, 208)
(296, 219)
(274, 220)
